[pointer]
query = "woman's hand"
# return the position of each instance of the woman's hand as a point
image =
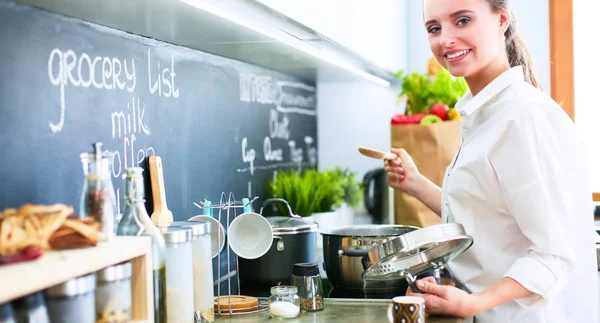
(402, 173)
(446, 300)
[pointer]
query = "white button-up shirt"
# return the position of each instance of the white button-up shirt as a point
(519, 186)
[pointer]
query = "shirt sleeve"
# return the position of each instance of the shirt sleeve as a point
(528, 164)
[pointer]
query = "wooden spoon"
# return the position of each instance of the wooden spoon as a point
(373, 153)
(161, 216)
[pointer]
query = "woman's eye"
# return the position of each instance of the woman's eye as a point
(463, 21)
(433, 30)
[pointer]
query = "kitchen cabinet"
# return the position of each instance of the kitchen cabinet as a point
(243, 30)
(55, 267)
(371, 29)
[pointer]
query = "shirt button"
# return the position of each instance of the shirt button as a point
(464, 127)
(462, 113)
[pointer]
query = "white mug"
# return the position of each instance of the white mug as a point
(406, 309)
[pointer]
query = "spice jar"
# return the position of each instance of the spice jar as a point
(31, 309)
(307, 279)
(98, 196)
(201, 268)
(180, 280)
(113, 294)
(284, 302)
(72, 301)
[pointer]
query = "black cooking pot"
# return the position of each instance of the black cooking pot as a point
(344, 249)
(294, 241)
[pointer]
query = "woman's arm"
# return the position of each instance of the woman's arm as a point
(403, 175)
(449, 300)
(429, 194)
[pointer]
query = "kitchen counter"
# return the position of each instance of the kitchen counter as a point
(339, 310)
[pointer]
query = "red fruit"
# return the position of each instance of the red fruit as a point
(415, 118)
(440, 110)
(399, 119)
(31, 253)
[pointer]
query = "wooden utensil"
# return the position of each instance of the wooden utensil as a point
(161, 216)
(373, 153)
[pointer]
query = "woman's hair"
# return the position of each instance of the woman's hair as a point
(515, 47)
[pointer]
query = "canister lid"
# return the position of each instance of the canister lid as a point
(286, 225)
(199, 228)
(76, 286)
(176, 234)
(114, 273)
(6, 312)
(29, 302)
(306, 269)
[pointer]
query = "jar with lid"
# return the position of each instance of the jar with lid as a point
(98, 196)
(136, 222)
(31, 309)
(284, 302)
(180, 280)
(201, 268)
(307, 279)
(73, 300)
(7, 314)
(113, 294)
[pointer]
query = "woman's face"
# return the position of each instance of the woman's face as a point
(465, 36)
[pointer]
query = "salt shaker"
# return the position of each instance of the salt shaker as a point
(307, 279)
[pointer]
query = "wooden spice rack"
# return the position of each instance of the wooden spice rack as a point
(55, 267)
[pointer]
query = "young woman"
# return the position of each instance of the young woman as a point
(518, 183)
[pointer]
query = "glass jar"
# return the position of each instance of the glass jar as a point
(7, 314)
(178, 261)
(73, 300)
(284, 302)
(113, 294)
(31, 309)
(98, 197)
(307, 279)
(201, 268)
(136, 222)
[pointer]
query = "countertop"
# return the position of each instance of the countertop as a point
(338, 310)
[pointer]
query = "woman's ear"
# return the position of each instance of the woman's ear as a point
(504, 21)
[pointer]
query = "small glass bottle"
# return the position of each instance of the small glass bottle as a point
(284, 302)
(98, 197)
(136, 222)
(307, 279)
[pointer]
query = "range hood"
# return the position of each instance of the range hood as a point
(243, 30)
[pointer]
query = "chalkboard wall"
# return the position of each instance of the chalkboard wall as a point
(219, 125)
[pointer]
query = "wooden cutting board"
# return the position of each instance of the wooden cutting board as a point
(239, 303)
(161, 216)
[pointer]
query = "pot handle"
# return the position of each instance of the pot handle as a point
(278, 200)
(353, 253)
(280, 245)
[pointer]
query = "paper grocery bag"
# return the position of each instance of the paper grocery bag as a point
(432, 148)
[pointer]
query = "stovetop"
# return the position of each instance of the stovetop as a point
(330, 292)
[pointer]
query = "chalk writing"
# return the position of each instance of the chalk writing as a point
(66, 68)
(248, 156)
(164, 83)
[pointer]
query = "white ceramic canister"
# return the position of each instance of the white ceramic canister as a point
(178, 263)
(202, 269)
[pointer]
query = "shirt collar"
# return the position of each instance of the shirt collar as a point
(469, 104)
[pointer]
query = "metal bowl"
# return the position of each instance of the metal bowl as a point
(344, 249)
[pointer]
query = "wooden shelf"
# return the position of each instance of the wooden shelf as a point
(56, 267)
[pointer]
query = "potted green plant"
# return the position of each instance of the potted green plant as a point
(310, 191)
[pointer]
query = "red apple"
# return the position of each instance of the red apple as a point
(440, 110)
(415, 118)
(399, 119)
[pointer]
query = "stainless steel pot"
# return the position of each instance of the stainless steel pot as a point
(343, 252)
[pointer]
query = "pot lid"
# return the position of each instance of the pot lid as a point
(416, 252)
(285, 225)
(370, 230)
